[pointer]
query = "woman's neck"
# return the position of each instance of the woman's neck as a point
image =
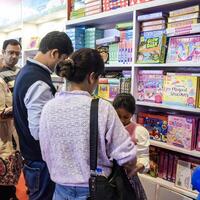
(76, 86)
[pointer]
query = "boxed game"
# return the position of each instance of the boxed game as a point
(153, 28)
(181, 131)
(184, 23)
(153, 22)
(184, 11)
(152, 47)
(150, 85)
(180, 89)
(184, 49)
(155, 124)
(152, 16)
(183, 17)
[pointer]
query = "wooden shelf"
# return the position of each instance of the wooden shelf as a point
(113, 16)
(174, 148)
(171, 107)
(169, 185)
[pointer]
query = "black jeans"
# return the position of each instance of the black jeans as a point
(8, 192)
(37, 178)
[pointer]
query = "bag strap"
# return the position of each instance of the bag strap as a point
(93, 134)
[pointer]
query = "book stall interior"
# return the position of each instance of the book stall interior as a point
(151, 49)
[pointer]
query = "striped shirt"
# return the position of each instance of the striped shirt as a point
(9, 74)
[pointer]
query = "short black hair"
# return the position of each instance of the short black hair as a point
(79, 64)
(126, 101)
(11, 42)
(56, 40)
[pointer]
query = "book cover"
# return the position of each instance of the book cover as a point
(104, 91)
(156, 125)
(183, 175)
(170, 167)
(150, 85)
(152, 47)
(161, 164)
(180, 131)
(184, 11)
(174, 168)
(180, 89)
(165, 165)
(153, 161)
(184, 49)
(198, 137)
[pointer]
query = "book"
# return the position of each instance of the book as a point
(183, 17)
(181, 131)
(150, 85)
(133, 2)
(180, 89)
(107, 40)
(153, 161)
(198, 138)
(152, 16)
(183, 23)
(184, 49)
(185, 30)
(152, 47)
(184, 11)
(153, 28)
(153, 22)
(183, 175)
(155, 124)
(124, 26)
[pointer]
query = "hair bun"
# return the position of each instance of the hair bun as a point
(65, 68)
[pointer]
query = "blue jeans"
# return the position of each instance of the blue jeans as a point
(70, 193)
(37, 178)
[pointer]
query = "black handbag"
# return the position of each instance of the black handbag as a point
(117, 185)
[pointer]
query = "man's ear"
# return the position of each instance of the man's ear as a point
(54, 53)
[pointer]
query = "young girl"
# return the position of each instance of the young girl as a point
(124, 104)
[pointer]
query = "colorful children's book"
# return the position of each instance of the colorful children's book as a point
(155, 124)
(198, 138)
(150, 85)
(184, 11)
(180, 89)
(181, 131)
(154, 158)
(184, 49)
(152, 47)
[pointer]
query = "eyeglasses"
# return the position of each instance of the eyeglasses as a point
(11, 53)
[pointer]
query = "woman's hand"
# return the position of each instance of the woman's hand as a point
(7, 112)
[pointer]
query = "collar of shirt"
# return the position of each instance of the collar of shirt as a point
(74, 92)
(40, 64)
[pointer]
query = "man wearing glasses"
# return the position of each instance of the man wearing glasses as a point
(11, 53)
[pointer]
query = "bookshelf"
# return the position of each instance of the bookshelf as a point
(169, 185)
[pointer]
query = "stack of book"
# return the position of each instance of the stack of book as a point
(77, 9)
(184, 21)
(77, 36)
(152, 45)
(91, 35)
(93, 7)
(114, 4)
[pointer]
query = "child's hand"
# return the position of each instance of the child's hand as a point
(139, 168)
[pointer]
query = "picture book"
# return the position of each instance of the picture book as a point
(152, 16)
(184, 11)
(180, 89)
(154, 158)
(184, 23)
(150, 85)
(183, 17)
(184, 49)
(152, 47)
(183, 175)
(155, 124)
(181, 131)
(185, 30)
(103, 91)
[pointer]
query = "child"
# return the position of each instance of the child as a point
(124, 105)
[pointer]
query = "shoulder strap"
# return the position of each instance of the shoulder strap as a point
(93, 133)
